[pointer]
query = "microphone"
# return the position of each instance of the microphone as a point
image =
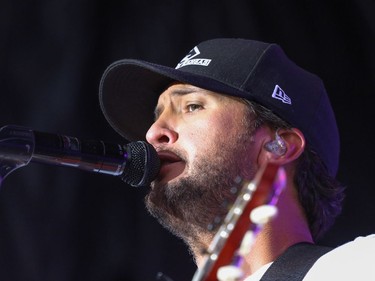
(137, 163)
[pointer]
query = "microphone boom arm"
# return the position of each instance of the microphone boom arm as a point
(137, 162)
(88, 155)
(16, 149)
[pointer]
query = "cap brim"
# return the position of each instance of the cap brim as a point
(129, 90)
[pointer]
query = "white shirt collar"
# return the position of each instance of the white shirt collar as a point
(259, 273)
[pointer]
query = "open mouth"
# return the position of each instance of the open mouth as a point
(171, 166)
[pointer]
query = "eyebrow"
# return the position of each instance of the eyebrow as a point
(176, 92)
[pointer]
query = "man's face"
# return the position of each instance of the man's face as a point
(205, 142)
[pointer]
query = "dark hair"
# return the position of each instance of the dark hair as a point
(320, 195)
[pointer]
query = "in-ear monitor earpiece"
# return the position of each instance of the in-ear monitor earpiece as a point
(277, 146)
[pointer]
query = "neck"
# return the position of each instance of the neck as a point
(290, 227)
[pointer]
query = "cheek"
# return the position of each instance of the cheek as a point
(224, 128)
(208, 137)
(198, 138)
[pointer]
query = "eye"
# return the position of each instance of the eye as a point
(193, 107)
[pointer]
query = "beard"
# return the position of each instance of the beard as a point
(193, 206)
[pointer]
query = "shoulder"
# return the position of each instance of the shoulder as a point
(351, 261)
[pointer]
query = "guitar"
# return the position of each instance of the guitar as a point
(254, 206)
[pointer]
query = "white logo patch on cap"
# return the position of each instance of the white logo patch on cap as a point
(188, 59)
(279, 94)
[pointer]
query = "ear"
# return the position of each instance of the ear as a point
(293, 141)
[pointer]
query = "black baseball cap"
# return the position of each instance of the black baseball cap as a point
(254, 70)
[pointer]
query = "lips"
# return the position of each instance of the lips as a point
(171, 166)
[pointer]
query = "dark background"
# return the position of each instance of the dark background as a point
(63, 224)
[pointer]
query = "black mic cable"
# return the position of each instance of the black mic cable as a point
(137, 163)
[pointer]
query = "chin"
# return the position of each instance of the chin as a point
(172, 177)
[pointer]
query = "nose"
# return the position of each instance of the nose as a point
(161, 133)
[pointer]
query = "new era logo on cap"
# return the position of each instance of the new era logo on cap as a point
(188, 59)
(279, 94)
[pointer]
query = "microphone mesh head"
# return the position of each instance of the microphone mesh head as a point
(143, 164)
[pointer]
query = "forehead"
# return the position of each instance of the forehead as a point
(179, 89)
